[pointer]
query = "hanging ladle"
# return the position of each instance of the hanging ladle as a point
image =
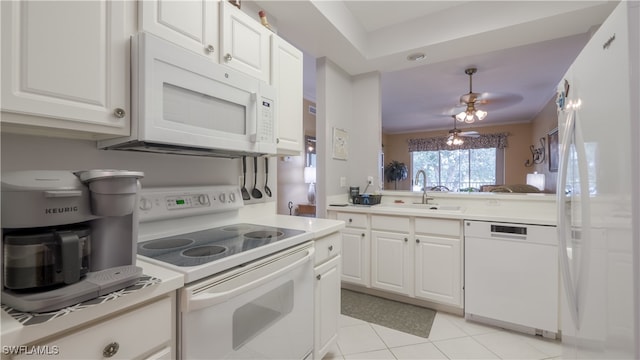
(255, 193)
(266, 177)
(245, 192)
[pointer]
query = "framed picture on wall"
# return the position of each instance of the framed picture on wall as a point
(340, 140)
(553, 150)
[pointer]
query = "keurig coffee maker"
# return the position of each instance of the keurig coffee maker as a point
(67, 236)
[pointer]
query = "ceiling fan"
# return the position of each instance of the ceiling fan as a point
(456, 135)
(470, 114)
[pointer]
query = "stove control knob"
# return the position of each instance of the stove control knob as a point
(145, 204)
(203, 199)
(232, 197)
(221, 197)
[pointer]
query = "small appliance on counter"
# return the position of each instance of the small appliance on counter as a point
(367, 199)
(67, 237)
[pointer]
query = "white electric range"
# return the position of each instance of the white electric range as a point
(249, 287)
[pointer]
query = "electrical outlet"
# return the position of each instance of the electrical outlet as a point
(370, 180)
(343, 181)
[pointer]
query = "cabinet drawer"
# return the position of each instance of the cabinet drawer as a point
(390, 223)
(353, 220)
(134, 334)
(438, 226)
(327, 247)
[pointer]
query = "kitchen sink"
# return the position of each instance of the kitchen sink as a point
(432, 207)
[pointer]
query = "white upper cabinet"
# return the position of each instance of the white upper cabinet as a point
(286, 76)
(244, 42)
(192, 24)
(65, 67)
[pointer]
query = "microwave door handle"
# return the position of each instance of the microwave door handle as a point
(212, 298)
(254, 101)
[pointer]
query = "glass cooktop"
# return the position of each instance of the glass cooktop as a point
(209, 245)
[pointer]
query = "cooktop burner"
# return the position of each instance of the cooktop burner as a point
(209, 245)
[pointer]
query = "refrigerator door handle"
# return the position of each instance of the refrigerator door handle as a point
(563, 230)
(585, 219)
(574, 293)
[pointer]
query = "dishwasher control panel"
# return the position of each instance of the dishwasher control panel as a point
(541, 234)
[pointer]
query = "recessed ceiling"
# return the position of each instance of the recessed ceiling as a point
(521, 50)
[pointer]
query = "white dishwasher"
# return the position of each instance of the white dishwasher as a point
(511, 276)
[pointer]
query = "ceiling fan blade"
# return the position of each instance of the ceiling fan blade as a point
(470, 97)
(470, 135)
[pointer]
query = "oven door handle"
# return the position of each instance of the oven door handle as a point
(212, 297)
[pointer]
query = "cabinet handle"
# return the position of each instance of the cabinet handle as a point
(209, 49)
(110, 349)
(119, 113)
(228, 57)
(405, 239)
(318, 276)
(362, 235)
(417, 241)
(277, 140)
(350, 220)
(330, 247)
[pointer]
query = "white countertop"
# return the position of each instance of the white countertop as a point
(536, 209)
(318, 227)
(14, 333)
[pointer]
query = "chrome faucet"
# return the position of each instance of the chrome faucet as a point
(425, 199)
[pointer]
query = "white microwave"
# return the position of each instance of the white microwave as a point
(182, 103)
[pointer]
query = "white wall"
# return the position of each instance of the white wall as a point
(23, 152)
(353, 105)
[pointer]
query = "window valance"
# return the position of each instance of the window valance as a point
(498, 141)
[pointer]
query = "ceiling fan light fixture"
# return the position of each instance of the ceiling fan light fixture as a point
(454, 140)
(471, 114)
(469, 119)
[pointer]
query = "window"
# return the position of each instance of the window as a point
(459, 169)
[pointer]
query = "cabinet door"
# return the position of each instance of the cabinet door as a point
(244, 42)
(391, 262)
(327, 306)
(356, 256)
(66, 65)
(192, 24)
(286, 76)
(438, 269)
(146, 330)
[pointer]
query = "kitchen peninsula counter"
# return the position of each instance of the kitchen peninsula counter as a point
(537, 209)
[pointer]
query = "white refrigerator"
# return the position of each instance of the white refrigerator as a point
(598, 193)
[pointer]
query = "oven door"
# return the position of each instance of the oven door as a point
(261, 310)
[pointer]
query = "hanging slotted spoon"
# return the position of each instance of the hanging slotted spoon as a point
(245, 192)
(266, 177)
(255, 193)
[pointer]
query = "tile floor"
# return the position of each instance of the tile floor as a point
(451, 337)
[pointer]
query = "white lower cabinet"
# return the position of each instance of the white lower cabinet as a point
(356, 248)
(438, 270)
(356, 252)
(143, 333)
(391, 265)
(438, 260)
(327, 294)
(407, 255)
